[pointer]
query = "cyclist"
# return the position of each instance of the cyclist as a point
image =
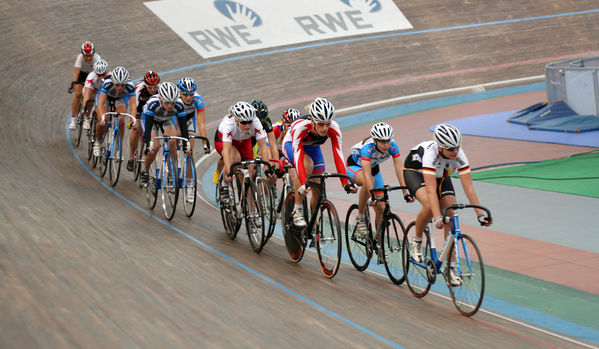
(233, 140)
(301, 148)
(121, 92)
(160, 113)
(143, 91)
(195, 109)
(92, 85)
(280, 128)
(83, 66)
(219, 162)
(363, 167)
(262, 115)
(426, 170)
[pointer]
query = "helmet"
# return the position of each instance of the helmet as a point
(244, 111)
(321, 110)
(447, 136)
(187, 84)
(261, 109)
(382, 132)
(290, 115)
(151, 78)
(168, 92)
(120, 76)
(101, 67)
(87, 48)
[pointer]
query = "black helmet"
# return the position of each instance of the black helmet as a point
(261, 109)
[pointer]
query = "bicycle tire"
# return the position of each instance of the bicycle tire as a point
(419, 276)
(137, 158)
(152, 186)
(328, 240)
(294, 244)
(192, 182)
(254, 216)
(266, 197)
(359, 248)
(231, 222)
(169, 187)
(391, 248)
(103, 160)
(91, 139)
(468, 296)
(115, 161)
(78, 128)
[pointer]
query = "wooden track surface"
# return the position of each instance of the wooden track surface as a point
(82, 267)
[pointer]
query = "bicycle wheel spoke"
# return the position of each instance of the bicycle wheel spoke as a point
(189, 189)
(358, 246)
(419, 275)
(328, 239)
(468, 265)
(170, 191)
(254, 217)
(392, 241)
(115, 159)
(152, 186)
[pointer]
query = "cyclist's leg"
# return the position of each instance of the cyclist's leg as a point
(415, 183)
(380, 206)
(149, 159)
(315, 154)
(78, 92)
(133, 142)
(121, 108)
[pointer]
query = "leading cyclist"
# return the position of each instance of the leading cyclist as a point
(83, 66)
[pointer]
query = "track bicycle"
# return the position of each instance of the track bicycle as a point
(243, 202)
(279, 208)
(138, 155)
(111, 156)
(91, 140)
(186, 174)
(468, 287)
(76, 133)
(163, 179)
(386, 243)
(323, 227)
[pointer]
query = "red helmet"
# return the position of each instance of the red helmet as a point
(88, 48)
(151, 78)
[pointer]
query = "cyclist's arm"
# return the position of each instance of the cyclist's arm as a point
(226, 153)
(101, 107)
(86, 95)
(298, 154)
(430, 181)
(264, 151)
(336, 143)
(272, 145)
(399, 172)
(201, 122)
(132, 106)
(149, 120)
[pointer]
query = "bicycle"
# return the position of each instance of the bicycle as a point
(468, 288)
(163, 179)
(78, 124)
(112, 154)
(386, 243)
(323, 227)
(138, 154)
(91, 140)
(286, 189)
(186, 174)
(234, 209)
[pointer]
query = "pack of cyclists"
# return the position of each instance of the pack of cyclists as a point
(247, 132)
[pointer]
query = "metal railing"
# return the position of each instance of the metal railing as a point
(576, 82)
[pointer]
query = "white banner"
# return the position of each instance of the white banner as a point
(221, 27)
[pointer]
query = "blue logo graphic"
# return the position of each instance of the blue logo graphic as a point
(238, 12)
(364, 5)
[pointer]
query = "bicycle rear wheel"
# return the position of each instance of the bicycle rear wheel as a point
(228, 212)
(359, 247)
(91, 139)
(469, 266)
(254, 216)
(114, 162)
(295, 245)
(266, 195)
(152, 186)
(169, 191)
(328, 239)
(391, 248)
(137, 158)
(419, 275)
(189, 176)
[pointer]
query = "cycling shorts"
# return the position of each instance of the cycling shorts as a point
(158, 126)
(415, 180)
(244, 147)
(81, 78)
(353, 170)
(313, 151)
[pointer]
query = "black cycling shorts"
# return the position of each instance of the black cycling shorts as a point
(415, 180)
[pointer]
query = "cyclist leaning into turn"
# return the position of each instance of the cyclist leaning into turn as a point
(426, 170)
(195, 109)
(301, 147)
(84, 64)
(363, 167)
(92, 86)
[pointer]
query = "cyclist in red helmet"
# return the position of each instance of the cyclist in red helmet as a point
(84, 64)
(143, 91)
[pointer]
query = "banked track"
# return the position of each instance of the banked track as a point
(83, 266)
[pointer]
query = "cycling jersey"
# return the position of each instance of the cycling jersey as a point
(108, 88)
(366, 151)
(301, 134)
(142, 96)
(155, 113)
(191, 110)
(425, 158)
(94, 82)
(86, 66)
(278, 130)
(229, 131)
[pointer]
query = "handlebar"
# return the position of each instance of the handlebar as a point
(118, 114)
(325, 175)
(463, 206)
(246, 163)
(205, 139)
(386, 188)
(280, 172)
(166, 138)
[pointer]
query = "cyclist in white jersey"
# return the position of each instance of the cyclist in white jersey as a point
(83, 66)
(121, 92)
(90, 90)
(363, 167)
(427, 171)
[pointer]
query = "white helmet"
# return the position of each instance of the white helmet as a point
(120, 76)
(100, 67)
(382, 132)
(168, 92)
(244, 111)
(321, 110)
(447, 136)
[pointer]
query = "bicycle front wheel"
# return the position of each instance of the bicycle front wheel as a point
(266, 196)
(103, 159)
(115, 160)
(190, 187)
(469, 267)
(152, 186)
(137, 157)
(91, 139)
(359, 247)
(294, 244)
(391, 247)
(254, 216)
(170, 191)
(78, 128)
(419, 274)
(327, 234)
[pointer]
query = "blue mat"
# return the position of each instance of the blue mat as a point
(496, 126)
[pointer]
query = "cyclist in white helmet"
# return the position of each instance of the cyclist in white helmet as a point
(162, 112)
(427, 171)
(363, 167)
(83, 66)
(119, 91)
(301, 147)
(92, 86)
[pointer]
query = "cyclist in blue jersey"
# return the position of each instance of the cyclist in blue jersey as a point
(161, 113)
(195, 110)
(120, 91)
(363, 167)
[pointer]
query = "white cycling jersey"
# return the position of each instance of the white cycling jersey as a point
(86, 66)
(93, 82)
(229, 130)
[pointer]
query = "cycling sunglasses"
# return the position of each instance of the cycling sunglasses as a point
(453, 149)
(246, 122)
(187, 94)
